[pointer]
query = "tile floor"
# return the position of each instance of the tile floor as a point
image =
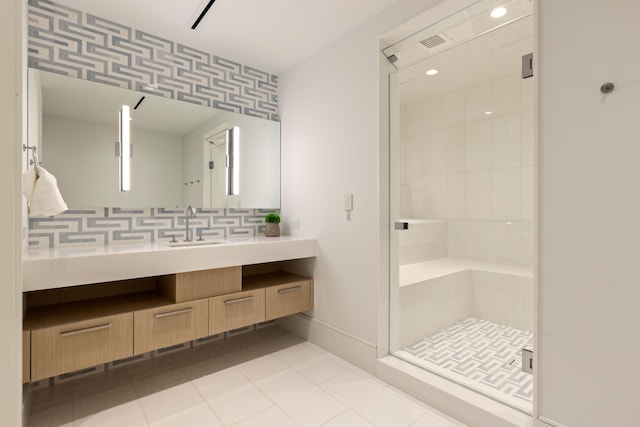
(485, 356)
(267, 377)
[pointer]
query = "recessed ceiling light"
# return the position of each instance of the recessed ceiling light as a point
(488, 113)
(432, 72)
(498, 12)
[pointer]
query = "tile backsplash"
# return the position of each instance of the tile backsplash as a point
(70, 42)
(114, 225)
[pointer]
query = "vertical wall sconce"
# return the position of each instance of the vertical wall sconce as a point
(125, 149)
(233, 161)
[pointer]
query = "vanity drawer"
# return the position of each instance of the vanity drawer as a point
(74, 346)
(289, 298)
(235, 310)
(169, 325)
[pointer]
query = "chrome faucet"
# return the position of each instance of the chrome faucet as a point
(188, 214)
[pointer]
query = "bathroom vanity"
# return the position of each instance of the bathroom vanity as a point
(87, 306)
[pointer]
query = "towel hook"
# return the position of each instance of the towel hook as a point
(34, 161)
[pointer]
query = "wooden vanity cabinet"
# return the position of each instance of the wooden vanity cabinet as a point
(195, 285)
(26, 356)
(72, 334)
(70, 329)
(74, 346)
(169, 325)
(285, 293)
(236, 310)
(290, 298)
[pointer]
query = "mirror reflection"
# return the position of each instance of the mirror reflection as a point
(180, 151)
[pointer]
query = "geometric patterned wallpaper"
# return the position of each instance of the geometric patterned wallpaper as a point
(115, 225)
(70, 42)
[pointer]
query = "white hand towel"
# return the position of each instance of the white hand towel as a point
(42, 193)
(28, 181)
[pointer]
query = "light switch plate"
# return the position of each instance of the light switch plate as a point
(348, 202)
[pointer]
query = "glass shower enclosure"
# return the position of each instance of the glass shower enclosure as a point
(462, 199)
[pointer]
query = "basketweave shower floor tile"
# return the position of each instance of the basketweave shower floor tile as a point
(480, 354)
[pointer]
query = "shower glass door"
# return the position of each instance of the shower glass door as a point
(461, 120)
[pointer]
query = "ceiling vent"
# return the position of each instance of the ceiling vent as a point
(433, 41)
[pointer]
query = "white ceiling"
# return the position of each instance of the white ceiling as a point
(474, 48)
(493, 55)
(272, 36)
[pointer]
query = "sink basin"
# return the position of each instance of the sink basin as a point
(195, 243)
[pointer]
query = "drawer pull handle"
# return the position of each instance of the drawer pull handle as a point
(291, 289)
(83, 330)
(173, 313)
(243, 299)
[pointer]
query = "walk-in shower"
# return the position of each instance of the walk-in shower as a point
(462, 199)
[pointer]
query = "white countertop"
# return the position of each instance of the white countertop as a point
(78, 265)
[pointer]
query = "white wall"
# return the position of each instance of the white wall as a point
(589, 209)
(11, 101)
(459, 163)
(330, 136)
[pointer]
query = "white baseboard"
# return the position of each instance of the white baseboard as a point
(344, 345)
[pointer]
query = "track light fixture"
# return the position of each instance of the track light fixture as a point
(202, 14)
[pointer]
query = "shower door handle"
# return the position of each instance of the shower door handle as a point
(401, 225)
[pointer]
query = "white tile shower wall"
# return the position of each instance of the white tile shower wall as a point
(491, 241)
(501, 298)
(460, 163)
(70, 42)
(423, 241)
(431, 305)
(114, 225)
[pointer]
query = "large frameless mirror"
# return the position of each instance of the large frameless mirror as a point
(74, 123)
